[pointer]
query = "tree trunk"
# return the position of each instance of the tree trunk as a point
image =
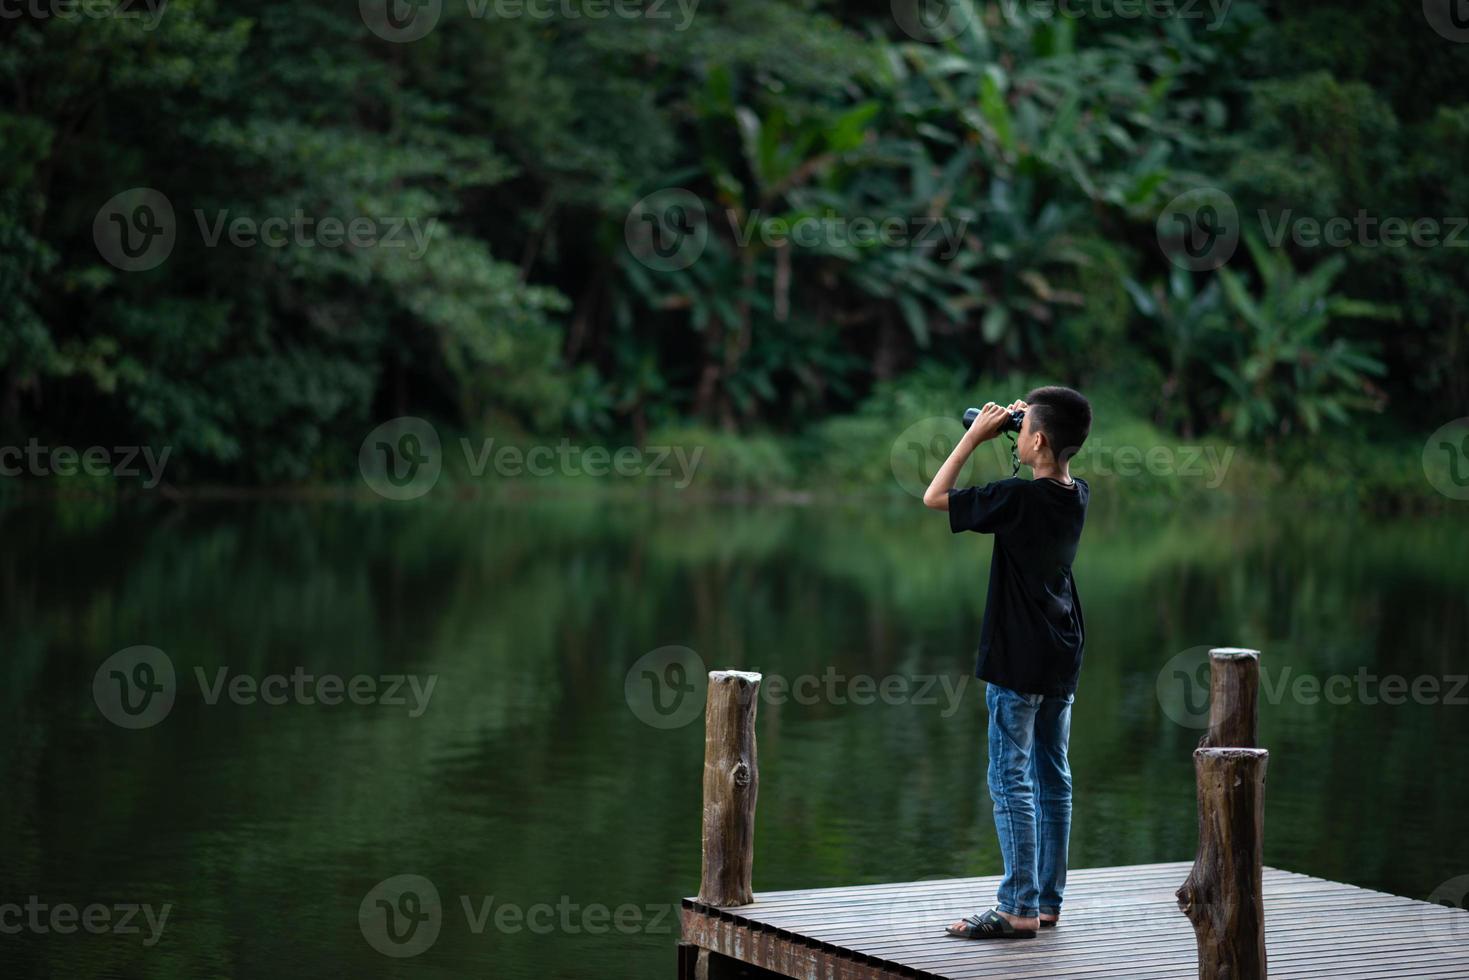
(731, 781)
(706, 394)
(1234, 696)
(1223, 896)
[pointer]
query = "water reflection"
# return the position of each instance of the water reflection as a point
(528, 783)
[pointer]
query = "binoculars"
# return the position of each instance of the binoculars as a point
(1012, 424)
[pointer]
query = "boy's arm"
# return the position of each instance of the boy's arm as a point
(984, 428)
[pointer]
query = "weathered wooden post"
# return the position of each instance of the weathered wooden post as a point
(731, 782)
(1224, 894)
(1234, 696)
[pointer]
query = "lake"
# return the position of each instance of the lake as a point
(509, 726)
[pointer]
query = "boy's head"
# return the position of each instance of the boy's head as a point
(1057, 422)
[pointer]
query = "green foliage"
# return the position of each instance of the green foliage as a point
(1188, 325)
(1026, 158)
(1316, 145)
(1285, 370)
(726, 462)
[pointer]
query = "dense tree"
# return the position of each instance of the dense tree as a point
(493, 169)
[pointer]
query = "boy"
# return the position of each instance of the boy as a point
(1030, 647)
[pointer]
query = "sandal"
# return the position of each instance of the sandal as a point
(1049, 923)
(989, 925)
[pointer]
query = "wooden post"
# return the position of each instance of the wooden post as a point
(731, 781)
(1234, 698)
(1224, 894)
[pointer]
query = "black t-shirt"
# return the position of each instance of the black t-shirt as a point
(1033, 630)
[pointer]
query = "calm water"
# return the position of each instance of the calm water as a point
(528, 780)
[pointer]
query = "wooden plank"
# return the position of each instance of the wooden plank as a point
(853, 922)
(1075, 877)
(1118, 922)
(788, 955)
(909, 913)
(1304, 937)
(1084, 948)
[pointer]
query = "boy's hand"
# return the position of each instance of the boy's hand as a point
(987, 425)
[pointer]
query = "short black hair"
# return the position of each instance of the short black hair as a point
(1064, 415)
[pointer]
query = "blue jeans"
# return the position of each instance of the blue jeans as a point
(1030, 782)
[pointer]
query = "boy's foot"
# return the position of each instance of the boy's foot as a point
(994, 924)
(1049, 921)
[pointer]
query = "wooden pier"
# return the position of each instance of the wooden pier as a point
(1118, 922)
(1204, 919)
